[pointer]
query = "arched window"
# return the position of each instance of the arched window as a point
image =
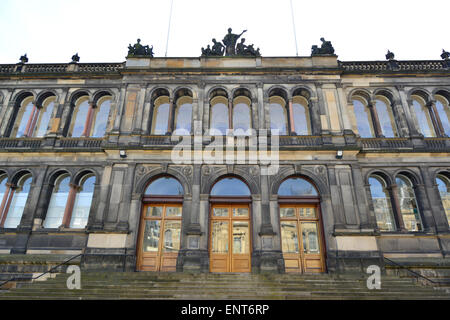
(165, 186)
(278, 116)
(100, 117)
(58, 202)
(219, 122)
(45, 114)
(70, 204)
(241, 115)
(79, 116)
(408, 204)
(14, 201)
(363, 117)
(160, 119)
(386, 117)
(423, 117)
(302, 123)
(83, 201)
(296, 187)
(443, 184)
(443, 110)
(160, 230)
(381, 203)
(230, 187)
(183, 116)
(24, 118)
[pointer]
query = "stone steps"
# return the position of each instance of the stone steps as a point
(147, 285)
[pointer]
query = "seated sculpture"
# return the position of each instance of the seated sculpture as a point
(140, 50)
(326, 48)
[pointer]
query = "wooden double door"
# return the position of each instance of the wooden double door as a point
(301, 238)
(159, 237)
(230, 238)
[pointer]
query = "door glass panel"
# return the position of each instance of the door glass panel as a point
(287, 212)
(151, 235)
(307, 212)
(220, 237)
(154, 212)
(220, 212)
(172, 232)
(240, 212)
(289, 237)
(173, 211)
(240, 237)
(310, 237)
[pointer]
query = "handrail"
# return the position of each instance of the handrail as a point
(414, 273)
(49, 271)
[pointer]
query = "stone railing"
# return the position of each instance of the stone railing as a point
(385, 143)
(79, 143)
(304, 141)
(382, 66)
(437, 144)
(61, 68)
(19, 143)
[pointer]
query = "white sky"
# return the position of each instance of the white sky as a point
(51, 31)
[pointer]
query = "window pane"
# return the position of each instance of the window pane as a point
(220, 212)
(289, 237)
(219, 119)
(424, 119)
(154, 212)
(301, 119)
(82, 206)
(278, 119)
(230, 187)
(18, 202)
(382, 205)
(183, 119)
(240, 212)
(408, 205)
(241, 239)
(444, 115)
(23, 117)
(443, 184)
(287, 212)
(165, 186)
(363, 120)
(44, 119)
(151, 235)
(241, 119)
(161, 119)
(296, 187)
(173, 211)
(57, 205)
(3, 181)
(386, 118)
(310, 237)
(79, 118)
(219, 237)
(307, 212)
(101, 119)
(172, 234)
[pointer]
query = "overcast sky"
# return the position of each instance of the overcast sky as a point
(51, 31)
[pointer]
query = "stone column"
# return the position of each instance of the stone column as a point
(261, 111)
(337, 208)
(439, 128)
(409, 116)
(393, 193)
(119, 112)
(124, 207)
(402, 123)
(172, 106)
(4, 111)
(429, 226)
(316, 127)
(366, 217)
(8, 122)
(291, 118)
(89, 120)
(375, 119)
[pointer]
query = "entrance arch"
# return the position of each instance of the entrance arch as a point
(301, 230)
(230, 227)
(160, 225)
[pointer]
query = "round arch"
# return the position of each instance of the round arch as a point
(237, 173)
(154, 174)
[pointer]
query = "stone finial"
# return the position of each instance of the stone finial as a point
(23, 59)
(75, 58)
(390, 55)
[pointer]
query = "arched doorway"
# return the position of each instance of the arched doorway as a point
(230, 229)
(301, 229)
(160, 225)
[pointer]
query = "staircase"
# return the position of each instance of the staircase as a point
(236, 286)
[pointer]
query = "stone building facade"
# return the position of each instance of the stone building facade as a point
(94, 137)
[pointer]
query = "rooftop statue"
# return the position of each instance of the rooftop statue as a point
(326, 48)
(75, 58)
(229, 48)
(139, 50)
(23, 59)
(390, 55)
(445, 55)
